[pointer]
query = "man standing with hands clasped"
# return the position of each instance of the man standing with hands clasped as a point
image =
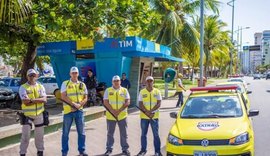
(74, 93)
(149, 103)
(116, 101)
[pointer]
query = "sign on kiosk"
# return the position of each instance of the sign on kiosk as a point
(84, 44)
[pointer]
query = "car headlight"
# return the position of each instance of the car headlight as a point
(240, 139)
(174, 140)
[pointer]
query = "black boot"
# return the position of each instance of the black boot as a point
(40, 153)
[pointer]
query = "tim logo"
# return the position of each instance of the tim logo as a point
(121, 44)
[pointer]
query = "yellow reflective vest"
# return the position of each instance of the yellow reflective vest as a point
(75, 92)
(149, 100)
(116, 100)
(178, 89)
(33, 92)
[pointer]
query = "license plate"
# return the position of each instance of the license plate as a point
(205, 153)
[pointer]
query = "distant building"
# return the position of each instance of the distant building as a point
(245, 61)
(266, 47)
(255, 57)
(258, 38)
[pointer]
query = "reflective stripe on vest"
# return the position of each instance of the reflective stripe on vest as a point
(178, 89)
(116, 100)
(33, 92)
(74, 93)
(149, 100)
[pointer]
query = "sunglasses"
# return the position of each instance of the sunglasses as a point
(116, 80)
(32, 75)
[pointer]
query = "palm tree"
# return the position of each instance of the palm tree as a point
(174, 29)
(216, 39)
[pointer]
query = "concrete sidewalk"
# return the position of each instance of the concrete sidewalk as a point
(96, 136)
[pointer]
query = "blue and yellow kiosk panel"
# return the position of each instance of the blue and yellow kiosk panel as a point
(106, 58)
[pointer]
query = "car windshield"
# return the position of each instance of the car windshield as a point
(235, 80)
(212, 107)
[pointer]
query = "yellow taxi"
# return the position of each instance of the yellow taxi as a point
(212, 122)
(241, 88)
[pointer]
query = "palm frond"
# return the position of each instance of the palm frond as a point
(14, 11)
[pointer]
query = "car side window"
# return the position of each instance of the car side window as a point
(244, 100)
(42, 80)
(15, 83)
(51, 80)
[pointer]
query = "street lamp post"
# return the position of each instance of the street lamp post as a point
(239, 45)
(231, 50)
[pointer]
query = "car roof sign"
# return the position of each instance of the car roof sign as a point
(214, 88)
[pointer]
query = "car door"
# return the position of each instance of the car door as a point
(15, 85)
(52, 85)
(43, 82)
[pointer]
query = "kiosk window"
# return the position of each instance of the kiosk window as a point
(85, 56)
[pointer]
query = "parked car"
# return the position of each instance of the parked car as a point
(267, 76)
(49, 83)
(256, 76)
(7, 96)
(12, 83)
(239, 79)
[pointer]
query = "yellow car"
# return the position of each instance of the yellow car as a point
(241, 88)
(212, 122)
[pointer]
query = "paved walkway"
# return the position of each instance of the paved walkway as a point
(96, 136)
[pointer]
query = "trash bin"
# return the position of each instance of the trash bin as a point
(204, 82)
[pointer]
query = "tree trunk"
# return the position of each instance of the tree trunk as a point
(192, 73)
(180, 67)
(29, 60)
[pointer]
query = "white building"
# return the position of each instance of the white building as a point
(255, 57)
(258, 38)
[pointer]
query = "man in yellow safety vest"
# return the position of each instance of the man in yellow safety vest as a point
(149, 103)
(116, 101)
(33, 97)
(74, 92)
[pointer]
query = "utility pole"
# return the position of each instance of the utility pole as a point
(231, 50)
(201, 42)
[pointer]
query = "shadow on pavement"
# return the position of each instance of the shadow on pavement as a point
(169, 107)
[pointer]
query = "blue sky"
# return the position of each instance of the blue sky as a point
(248, 13)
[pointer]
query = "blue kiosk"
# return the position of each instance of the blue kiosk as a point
(134, 56)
